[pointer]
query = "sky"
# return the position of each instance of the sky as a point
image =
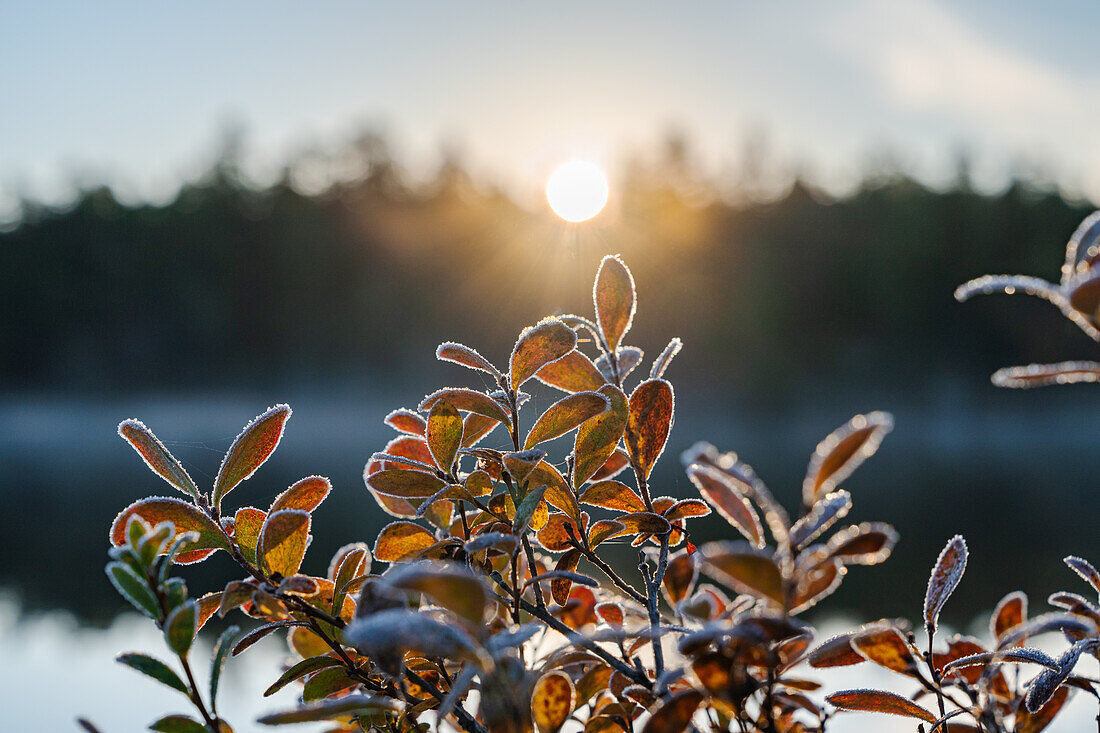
(138, 94)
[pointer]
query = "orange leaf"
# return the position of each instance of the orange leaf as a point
(1035, 722)
(247, 523)
(406, 421)
(467, 400)
(405, 484)
(598, 437)
(156, 456)
(520, 464)
(613, 296)
(574, 372)
(552, 701)
(644, 523)
(553, 535)
(306, 495)
(475, 427)
(560, 587)
(464, 355)
(865, 544)
(885, 647)
(649, 422)
(945, 578)
(399, 540)
(680, 577)
(538, 346)
(842, 452)
(1010, 612)
(879, 701)
(564, 415)
(613, 495)
(253, 446)
(283, 541)
(744, 569)
(444, 434)
(604, 530)
(836, 651)
(615, 464)
(722, 492)
(674, 715)
(685, 509)
(185, 517)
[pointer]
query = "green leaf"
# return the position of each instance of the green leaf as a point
(181, 626)
(283, 541)
(247, 523)
(133, 588)
(327, 682)
(538, 346)
(154, 668)
(217, 662)
(156, 456)
(330, 709)
(526, 509)
(301, 669)
(178, 724)
(253, 446)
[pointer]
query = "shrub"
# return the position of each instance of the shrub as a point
(490, 602)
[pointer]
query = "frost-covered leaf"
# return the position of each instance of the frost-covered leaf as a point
(1082, 248)
(1044, 623)
(525, 512)
(554, 535)
(863, 544)
(1085, 569)
(1035, 286)
(156, 456)
(444, 434)
(745, 569)
(185, 517)
(1028, 722)
(306, 495)
(944, 579)
(467, 357)
(615, 464)
(1010, 656)
(675, 713)
(247, 523)
(538, 346)
(133, 588)
(598, 437)
(627, 358)
(842, 452)
(660, 364)
(407, 421)
(574, 372)
(828, 510)
(332, 709)
(261, 632)
(565, 415)
(644, 523)
(612, 494)
(1043, 375)
(387, 634)
(649, 422)
(1010, 612)
(283, 541)
(1047, 682)
(520, 464)
(467, 400)
(217, 661)
(552, 701)
(604, 530)
(181, 626)
(816, 584)
(685, 509)
(399, 540)
(154, 668)
(299, 585)
(407, 484)
(451, 586)
(250, 450)
(680, 576)
(886, 647)
(560, 586)
(836, 651)
(879, 701)
(614, 298)
(725, 494)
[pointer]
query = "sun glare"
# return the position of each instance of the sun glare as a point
(577, 190)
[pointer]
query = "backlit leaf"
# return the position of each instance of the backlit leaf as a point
(597, 438)
(538, 346)
(613, 494)
(1010, 612)
(1047, 682)
(674, 714)
(565, 415)
(561, 586)
(744, 569)
(217, 662)
(842, 452)
(614, 298)
(475, 427)
(306, 495)
(399, 540)
(685, 509)
(816, 584)
(649, 422)
(396, 631)
(283, 541)
(944, 579)
(865, 544)
(444, 434)
(451, 586)
(1043, 375)
(627, 358)
(326, 682)
(178, 724)
(154, 668)
(836, 651)
(827, 511)
(680, 576)
(185, 517)
(574, 372)
(886, 647)
(557, 494)
(407, 484)
(525, 512)
(552, 701)
(1028, 722)
(604, 530)
(879, 701)
(331, 709)
(660, 364)
(644, 523)
(467, 400)
(407, 421)
(301, 669)
(253, 446)
(553, 536)
(247, 523)
(1085, 569)
(613, 466)
(724, 494)
(133, 588)
(464, 355)
(156, 456)
(180, 627)
(520, 464)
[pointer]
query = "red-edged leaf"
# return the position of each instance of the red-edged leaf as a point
(444, 434)
(247, 523)
(185, 517)
(597, 438)
(283, 541)
(614, 298)
(945, 578)
(649, 422)
(886, 647)
(464, 355)
(722, 492)
(306, 495)
(564, 415)
(253, 446)
(660, 364)
(613, 466)
(879, 701)
(574, 372)
(842, 452)
(399, 540)
(407, 421)
(156, 456)
(538, 346)
(613, 494)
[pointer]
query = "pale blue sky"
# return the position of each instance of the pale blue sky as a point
(137, 93)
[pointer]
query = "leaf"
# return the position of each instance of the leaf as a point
(451, 586)
(301, 669)
(526, 510)
(1047, 682)
(685, 509)
(399, 540)
(1043, 375)
(467, 400)
(247, 523)
(260, 632)
(306, 495)
(626, 359)
(744, 569)
(520, 464)
(283, 541)
(444, 434)
(475, 427)
(723, 493)
(538, 346)
(180, 627)
(154, 668)
(133, 588)
(331, 709)
(614, 298)
(405, 483)
(396, 631)
(565, 415)
(326, 682)
(467, 357)
(865, 544)
(554, 536)
(829, 509)
(603, 530)
(1085, 569)
(185, 517)
(837, 651)
(612, 494)
(597, 438)
(945, 578)
(1011, 611)
(552, 701)
(817, 583)
(648, 423)
(886, 648)
(406, 421)
(842, 452)
(178, 724)
(644, 523)
(1028, 722)
(574, 372)
(660, 364)
(680, 576)
(217, 662)
(560, 587)
(253, 446)
(674, 715)
(879, 701)
(156, 456)
(299, 585)
(557, 493)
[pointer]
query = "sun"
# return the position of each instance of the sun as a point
(577, 190)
